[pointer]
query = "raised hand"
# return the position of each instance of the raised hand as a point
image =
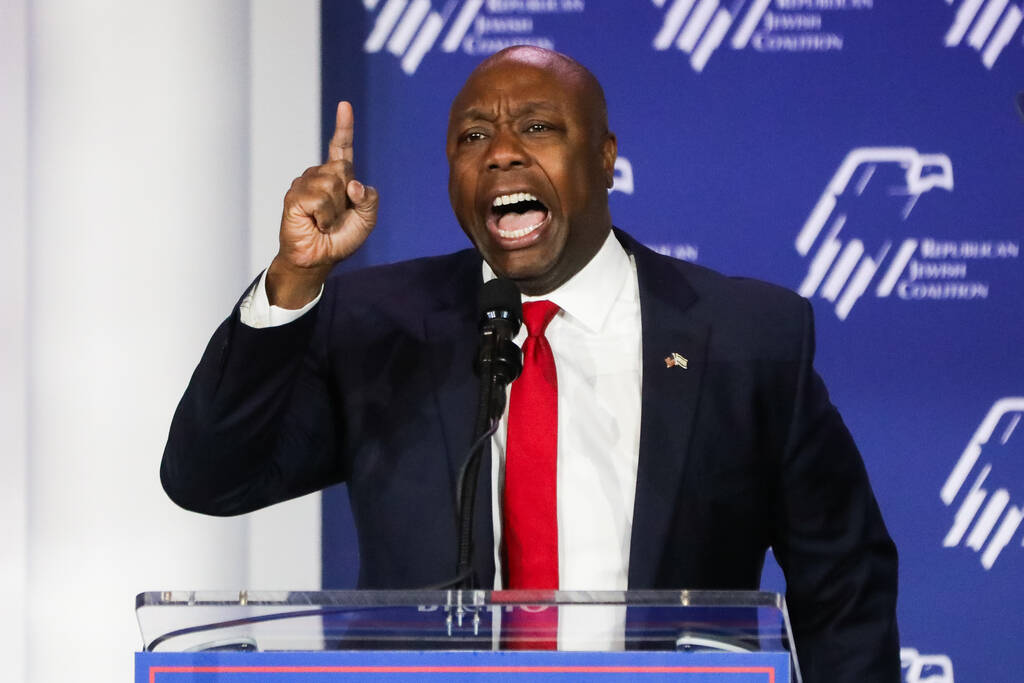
(327, 216)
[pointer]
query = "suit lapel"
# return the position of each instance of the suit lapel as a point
(669, 397)
(451, 332)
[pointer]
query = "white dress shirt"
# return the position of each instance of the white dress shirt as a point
(595, 340)
(596, 343)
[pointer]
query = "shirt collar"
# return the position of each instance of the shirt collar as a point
(588, 296)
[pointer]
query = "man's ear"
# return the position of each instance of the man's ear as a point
(609, 152)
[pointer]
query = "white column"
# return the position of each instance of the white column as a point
(137, 243)
(284, 540)
(13, 284)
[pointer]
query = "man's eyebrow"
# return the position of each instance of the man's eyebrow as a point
(477, 114)
(534, 106)
(474, 114)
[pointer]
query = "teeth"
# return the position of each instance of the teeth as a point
(516, 234)
(514, 198)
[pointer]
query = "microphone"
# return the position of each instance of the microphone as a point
(498, 362)
(500, 312)
(498, 303)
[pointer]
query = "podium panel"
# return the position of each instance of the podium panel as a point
(280, 637)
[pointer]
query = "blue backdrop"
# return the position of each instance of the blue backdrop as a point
(865, 153)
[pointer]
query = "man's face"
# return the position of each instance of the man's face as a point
(529, 165)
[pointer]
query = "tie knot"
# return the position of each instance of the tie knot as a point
(537, 315)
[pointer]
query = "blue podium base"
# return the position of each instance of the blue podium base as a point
(402, 666)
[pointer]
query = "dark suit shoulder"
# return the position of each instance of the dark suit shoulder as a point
(422, 284)
(746, 296)
(746, 313)
(745, 316)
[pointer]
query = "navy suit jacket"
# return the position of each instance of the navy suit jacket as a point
(740, 451)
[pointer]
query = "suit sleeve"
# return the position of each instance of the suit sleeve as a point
(256, 424)
(830, 540)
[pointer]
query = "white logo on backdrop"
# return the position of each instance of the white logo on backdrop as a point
(919, 668)
(699, 27)
(623, 178)
(988, 26)
(410, 29)
(991, 528)
(685, 251)
(842, 269)
(849, 269)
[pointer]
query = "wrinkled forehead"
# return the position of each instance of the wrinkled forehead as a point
(508, 85)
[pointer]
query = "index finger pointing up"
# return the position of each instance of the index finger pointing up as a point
(340, 147)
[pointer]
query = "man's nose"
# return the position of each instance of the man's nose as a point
(506, 152)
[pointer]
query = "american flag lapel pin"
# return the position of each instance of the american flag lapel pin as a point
(676, 360)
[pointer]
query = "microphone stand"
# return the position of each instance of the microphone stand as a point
(499, 362)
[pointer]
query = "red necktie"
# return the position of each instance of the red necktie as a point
(531, 520)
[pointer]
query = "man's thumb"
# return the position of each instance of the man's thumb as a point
(358, 193)
(364, 198)
(364, 203)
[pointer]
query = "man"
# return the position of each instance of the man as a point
(692, 432)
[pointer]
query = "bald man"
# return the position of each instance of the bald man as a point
(670, 473)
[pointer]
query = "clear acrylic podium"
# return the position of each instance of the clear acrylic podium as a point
(335, 636)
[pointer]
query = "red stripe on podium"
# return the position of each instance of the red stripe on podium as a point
(768, 671)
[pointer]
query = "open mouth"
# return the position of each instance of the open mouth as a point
(516, 215)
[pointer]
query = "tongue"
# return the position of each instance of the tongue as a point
(517, 221)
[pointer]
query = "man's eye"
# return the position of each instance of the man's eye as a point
(473, 136)
(538, 128)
